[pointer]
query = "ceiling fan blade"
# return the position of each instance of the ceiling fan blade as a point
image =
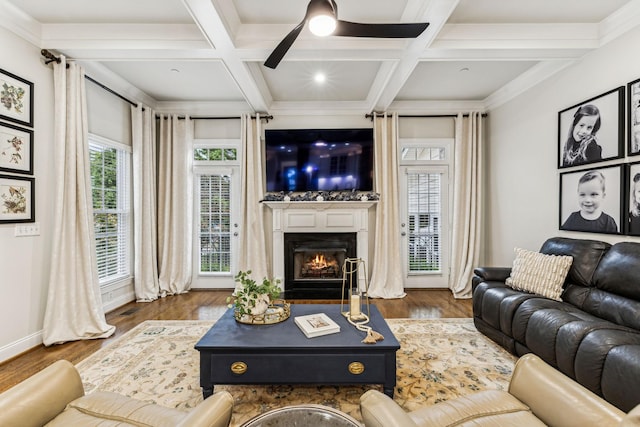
(283, 47)
(401, 30)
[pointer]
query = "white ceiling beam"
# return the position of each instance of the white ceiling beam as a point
(212, 27)
(437, 13)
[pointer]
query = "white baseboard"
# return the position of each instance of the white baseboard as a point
(17, 347)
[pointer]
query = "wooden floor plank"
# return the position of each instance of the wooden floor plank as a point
(205, 305)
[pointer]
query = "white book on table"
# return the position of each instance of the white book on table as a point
(315, 325)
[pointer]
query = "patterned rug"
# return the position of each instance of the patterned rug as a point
(439, 359)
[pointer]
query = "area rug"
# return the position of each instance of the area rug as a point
(439, 359)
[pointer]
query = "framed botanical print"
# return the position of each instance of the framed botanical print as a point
(592, 131)
(591, 201)
(16, 149)
(17, 199)
(16, 99)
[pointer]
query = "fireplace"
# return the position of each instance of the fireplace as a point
(313, 264)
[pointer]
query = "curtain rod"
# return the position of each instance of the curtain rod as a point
(370, 116)
(50, 57)
(267, 118)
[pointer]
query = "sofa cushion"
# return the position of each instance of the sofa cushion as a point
(620, 376)
(586, 255)
(110, 409)
(539, 273)
(618, 270)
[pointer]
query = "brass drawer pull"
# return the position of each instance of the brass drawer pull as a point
(238, 368)
(356, 368)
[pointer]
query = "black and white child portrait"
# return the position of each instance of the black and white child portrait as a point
(633, 186)
(592, 131)
(633, 137)
(590, 200)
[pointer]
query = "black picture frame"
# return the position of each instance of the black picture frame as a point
(631, 209)
(607, 130)
(611, 203)
(633, 118)
(16, 149)
(16, 99)
(17, 199)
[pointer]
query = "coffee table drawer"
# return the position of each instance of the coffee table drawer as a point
(302, 368)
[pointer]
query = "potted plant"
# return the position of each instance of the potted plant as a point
(250, 298)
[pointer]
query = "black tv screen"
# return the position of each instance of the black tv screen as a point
(319, 160)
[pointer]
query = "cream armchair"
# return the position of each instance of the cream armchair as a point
(538, 396)
(55, 397)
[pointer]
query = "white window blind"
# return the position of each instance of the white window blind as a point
(424, 208)
(215, 223)
(111, 193)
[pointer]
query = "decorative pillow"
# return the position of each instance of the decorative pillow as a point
(539, 273)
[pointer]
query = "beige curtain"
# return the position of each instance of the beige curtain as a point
(175, 205)
(74, 306)
(387, 275)
(143, 126)
(253, 247)
(467, 203)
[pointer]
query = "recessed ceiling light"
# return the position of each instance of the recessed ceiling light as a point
(320, 78)
(464, 69)
(175, 70)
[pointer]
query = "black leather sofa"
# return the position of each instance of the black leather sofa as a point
(592, 335)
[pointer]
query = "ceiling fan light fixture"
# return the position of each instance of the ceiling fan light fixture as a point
(322, 25)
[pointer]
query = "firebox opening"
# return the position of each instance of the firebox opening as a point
(313, 264)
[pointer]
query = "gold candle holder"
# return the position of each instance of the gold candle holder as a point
(355, 290)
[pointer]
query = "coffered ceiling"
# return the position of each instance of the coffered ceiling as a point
(205, 56)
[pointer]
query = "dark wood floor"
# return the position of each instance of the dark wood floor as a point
(204, 305)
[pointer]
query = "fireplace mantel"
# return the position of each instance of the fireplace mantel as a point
(321, 205)
(319, 217)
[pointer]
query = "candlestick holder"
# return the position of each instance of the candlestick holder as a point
(355, 290)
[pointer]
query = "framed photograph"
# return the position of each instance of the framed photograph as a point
(591, 201)
(633, 121)
(16, 149)
(632, 197)
(17, 199)
(592, 131)
(16, 99)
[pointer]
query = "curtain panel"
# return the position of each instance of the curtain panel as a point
(467, 202)
(143, 125)
(387, 278)
(253, 247)
(74, 305)
(175, 205)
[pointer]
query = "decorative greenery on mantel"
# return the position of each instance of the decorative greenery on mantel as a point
(318, 196)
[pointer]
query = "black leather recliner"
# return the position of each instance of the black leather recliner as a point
(592, 335)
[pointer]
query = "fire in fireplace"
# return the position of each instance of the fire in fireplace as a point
(313, 264)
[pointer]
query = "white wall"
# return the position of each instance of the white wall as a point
(522, 176)
(24, 261)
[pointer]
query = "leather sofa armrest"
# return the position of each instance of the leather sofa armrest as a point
(214, 411)
(498, 274)
(556, 399)
(41, 397)
(379, 410)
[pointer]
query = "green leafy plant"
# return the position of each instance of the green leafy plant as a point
(244, 299)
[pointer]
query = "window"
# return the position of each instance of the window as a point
(110, 168)
(217, 178)
(215, 223)
(424, 166)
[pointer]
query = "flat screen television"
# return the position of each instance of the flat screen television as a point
(319, 160)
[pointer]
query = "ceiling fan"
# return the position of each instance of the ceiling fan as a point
(322, 16)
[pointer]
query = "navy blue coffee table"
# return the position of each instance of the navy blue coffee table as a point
(236, 353)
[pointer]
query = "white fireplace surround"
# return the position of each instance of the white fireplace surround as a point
(319, 217)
